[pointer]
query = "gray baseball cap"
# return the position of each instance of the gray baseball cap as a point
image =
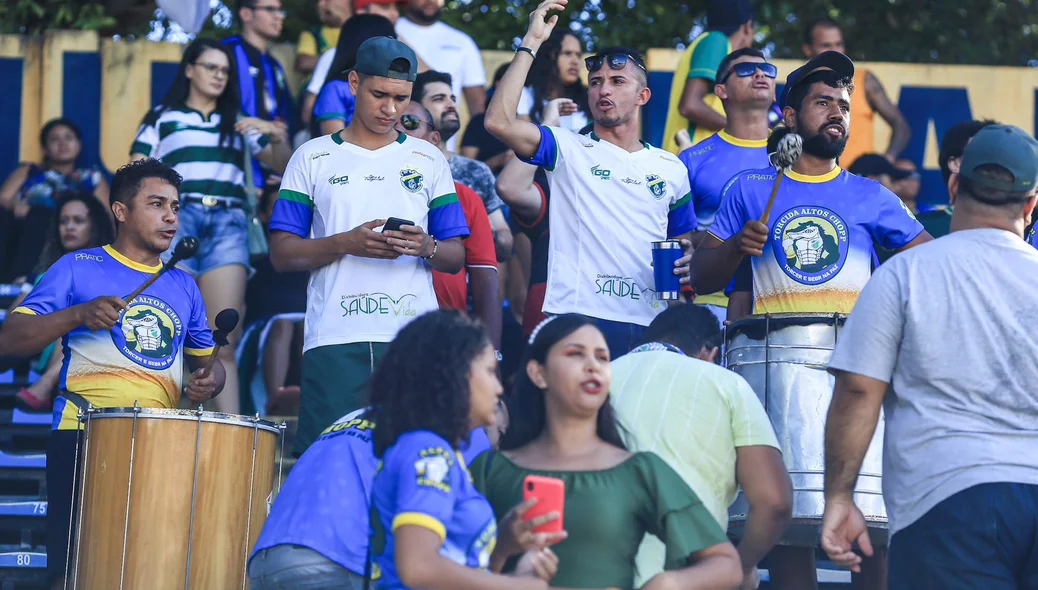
(376, 55)
(1007, 146)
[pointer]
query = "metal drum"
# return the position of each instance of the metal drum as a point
(784, 357)
(171, 498)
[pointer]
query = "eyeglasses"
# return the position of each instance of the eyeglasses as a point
(748, 68)
(616, 61)
(213, 68)
(413, 122)
(273, 10)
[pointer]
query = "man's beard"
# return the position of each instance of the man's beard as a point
(448, 127)
(821, 145)
(419, 17)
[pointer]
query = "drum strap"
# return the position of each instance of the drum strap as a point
(76, 399)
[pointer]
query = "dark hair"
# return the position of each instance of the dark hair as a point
(53, 124)
(953, 144)
(228, 105)
(424, 79)
(689, 327)
(356, 30)
(128, 179)
(643, 71)
(544, 77)
(824, 22)
(101, 232)
(726, 63)
(798, 93)
(422, 382)
(526, 407)
(989, 196)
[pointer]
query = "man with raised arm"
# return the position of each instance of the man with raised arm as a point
(613, 194)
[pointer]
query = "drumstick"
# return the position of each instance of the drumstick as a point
(185, 248)
(225, 322)
(789, 149)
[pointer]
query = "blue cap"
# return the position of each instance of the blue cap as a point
(831, 61)
(1002, 145)
(377, 54)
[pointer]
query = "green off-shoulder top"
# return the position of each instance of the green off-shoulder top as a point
(606, 514)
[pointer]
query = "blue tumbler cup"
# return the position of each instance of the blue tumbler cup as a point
(664, 255)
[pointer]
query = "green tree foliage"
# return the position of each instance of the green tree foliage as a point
(985, 32)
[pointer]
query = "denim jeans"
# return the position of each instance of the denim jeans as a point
(982, 538)
(222, 237)
(291, 567)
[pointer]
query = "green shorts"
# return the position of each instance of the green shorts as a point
(334, 383)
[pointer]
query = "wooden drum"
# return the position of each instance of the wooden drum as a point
(171, 498)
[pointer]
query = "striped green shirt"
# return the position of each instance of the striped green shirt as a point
(190, 143)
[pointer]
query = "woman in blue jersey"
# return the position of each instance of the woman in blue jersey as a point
(197, 131)
(434, 531)
(562, 425)
(334, 106)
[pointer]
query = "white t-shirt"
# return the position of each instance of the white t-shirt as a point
(574, 122)
(324, 63)
(950, 326)
(607, 207)
(331, 187)
(446, 49)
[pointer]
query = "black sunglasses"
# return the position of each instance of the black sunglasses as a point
(413, 122)
(748, 68)
(616, 61)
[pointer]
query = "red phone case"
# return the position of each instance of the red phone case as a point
(551, 497)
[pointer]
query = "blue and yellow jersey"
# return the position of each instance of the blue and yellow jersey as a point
(140, 358)
(325, 504)
(711, 164)
(424, 482)
(819, 254)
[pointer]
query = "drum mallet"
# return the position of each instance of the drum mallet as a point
(225, 322)
(790, 146)
(185, 248)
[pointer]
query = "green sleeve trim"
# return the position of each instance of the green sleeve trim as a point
(139, 147)
(295, 196)
(682, 201)
(443, 200)
(707, 55)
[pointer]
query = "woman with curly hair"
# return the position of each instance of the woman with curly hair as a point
(434, 531)
(555, 73)
(562, 425)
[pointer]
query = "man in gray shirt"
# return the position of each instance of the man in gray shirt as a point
(943, 338)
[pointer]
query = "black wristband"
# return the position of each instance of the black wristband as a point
(522, 49)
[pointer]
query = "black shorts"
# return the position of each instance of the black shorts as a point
(61, 484)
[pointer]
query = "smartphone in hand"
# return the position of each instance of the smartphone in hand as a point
(395, 223)
(551, 497)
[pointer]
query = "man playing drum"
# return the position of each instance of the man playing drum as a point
(815, 251)
(115, 352)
